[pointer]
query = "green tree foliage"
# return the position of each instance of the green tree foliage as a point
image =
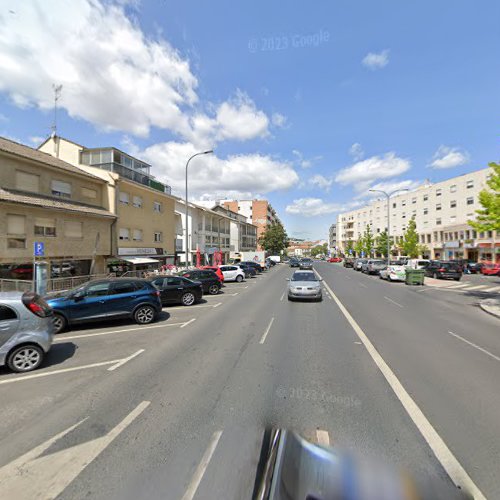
(368, 241)
(381, 243)
(488, 219)
(274, 240)
(423, 250)
(410, 246)
(319, 250)
(358, 247)
(349, 246)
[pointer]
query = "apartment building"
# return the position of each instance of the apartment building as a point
(145, 233)
(332, 238)
(441, 212)
(46, 200)
(260, 213)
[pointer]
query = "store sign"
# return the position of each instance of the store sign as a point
(469, 245)
(139, 251)
(451, 244)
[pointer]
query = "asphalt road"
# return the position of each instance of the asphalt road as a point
(178, 409)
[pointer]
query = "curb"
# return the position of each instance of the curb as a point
(491, 306)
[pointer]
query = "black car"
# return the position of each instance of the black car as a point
(249, 271)
(475, 267)
(255, 265)
(293, 262)
(306, 263)
(444, 270)
(210, 282)
(178, 290)
(348, 262)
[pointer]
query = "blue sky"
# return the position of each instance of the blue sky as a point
(308, 105)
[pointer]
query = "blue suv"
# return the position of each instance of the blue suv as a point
(106, 300)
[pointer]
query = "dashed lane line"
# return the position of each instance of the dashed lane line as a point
(264, 336)
(390, 300)
(475, 345)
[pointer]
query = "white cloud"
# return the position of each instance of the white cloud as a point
(320, 182)
(313, 207)
(238, 175)
(363, 173)
(390, 187)
(356, 151)
(279, 120)
(448, 157)
(36, 140)
(374, 60)
(304, 162)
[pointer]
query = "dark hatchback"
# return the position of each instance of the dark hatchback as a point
(348, 262)
(210, 282)
(444, 270)
(294, 262)
(249, 271)
(178, 290)
(255, 265)
(108, 299)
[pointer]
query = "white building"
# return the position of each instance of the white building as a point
(441, 212)
(332, 238)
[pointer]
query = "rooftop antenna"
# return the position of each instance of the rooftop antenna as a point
(57, 95)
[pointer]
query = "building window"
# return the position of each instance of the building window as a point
(124, 198)
(27, 182)
(403, 216)
(438, 222)
(137, 234)
(426, 197)
(453, 204)
(453, 188)
(73, 229)
(490, 234)
(453, 218)
(137, 201)
(158, 237)
(438, 206)
(426, 211)
(61, 189)
(89, 193)
(438, 192)
(157, 207)
(470, 201)
(124, 234)
(403, 203)
(414, 200)
(467, 234)
(16, 231)
(45, 227)
(470, 215)
(469, 184)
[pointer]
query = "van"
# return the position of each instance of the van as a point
(418, 263)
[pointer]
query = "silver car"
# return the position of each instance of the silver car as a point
(26, 330)
(304, 285)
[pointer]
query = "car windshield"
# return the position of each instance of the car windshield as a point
(304, 277)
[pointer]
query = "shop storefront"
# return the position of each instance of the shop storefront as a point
(139, 259)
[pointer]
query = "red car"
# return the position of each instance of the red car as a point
(491, 269)
(217, 271)
(335, 259)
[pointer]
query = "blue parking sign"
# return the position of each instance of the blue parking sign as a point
(39, 249)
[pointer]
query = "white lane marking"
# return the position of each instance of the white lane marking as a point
(202, 467)
(362, 284)
(99, 334)
(263, 339)
(478, 287)
(393, 301)
(188, 322)
(494, 289)
(187, 308)
(449, 462)
(458, 286)
(282, 296)
(238, 287)
(125, 360)
(323, 438)
(219, 296)
(33, 472)
(347, 277)
(475, 345)
(217, 305)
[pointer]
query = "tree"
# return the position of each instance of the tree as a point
(381, 243)
(349, 246)
(423, 250)
(319, 250)
(358, 247)
(409, 245)
(488, 219)
(274, 239)
(368, 241)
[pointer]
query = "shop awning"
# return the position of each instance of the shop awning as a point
(139, 260)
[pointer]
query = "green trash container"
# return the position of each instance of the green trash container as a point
(414, 276)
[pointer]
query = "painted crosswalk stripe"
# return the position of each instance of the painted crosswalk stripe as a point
(459, 286)
(494, 289)
(476, 287)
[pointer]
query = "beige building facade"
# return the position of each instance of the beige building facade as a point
(46, 200)
(441, 212)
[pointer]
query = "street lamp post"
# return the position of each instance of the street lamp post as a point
(388, 196)
(186, 237)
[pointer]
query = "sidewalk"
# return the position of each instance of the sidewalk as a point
(491, 306)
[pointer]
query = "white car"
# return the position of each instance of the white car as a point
(232, 273)
(393, 273)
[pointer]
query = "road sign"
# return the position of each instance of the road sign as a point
(39, 249)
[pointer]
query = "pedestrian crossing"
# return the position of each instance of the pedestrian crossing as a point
(466, 287)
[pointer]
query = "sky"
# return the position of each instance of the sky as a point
(306, 104)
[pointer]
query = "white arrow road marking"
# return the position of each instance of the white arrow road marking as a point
(125, 360)
(33, 476)
(202, 467)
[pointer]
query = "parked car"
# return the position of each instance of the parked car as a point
(418, 263)
(475, 267)
(253, 264)
(250, 271)
(106, 299)
(306, 263)
(335, 259)
(358, 263)
(348, 262)
(491, 269)
(233, 273)
(304, 284)
(294, 262)
(394, 272)
(26, 330)
(210, 282)
(178, 290)
(271, 262)
(444, 270)
(216, 270)
(374, 266)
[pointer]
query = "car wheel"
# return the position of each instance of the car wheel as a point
(239, 278)
(59, 322)
(25, 358)
(188, 299)
(213, 289)
(144, 315)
